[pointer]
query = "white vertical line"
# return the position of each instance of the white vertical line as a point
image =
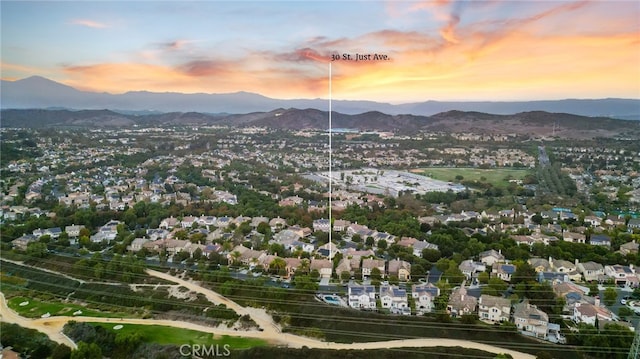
(330, 174)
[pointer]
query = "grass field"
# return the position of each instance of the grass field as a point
(36, 308)
(498, 177)
(169, 335)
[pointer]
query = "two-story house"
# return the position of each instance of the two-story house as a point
(494, 309)
(530, 320)
(503, 271)
(400, 269)
(461, 303)
(591, 271)
(622, 275)
(362, 296)
(491, 256)
(394, 298)
(424, 296)
(323, 266)
(369, 263)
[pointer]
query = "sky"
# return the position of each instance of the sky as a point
(436, 50)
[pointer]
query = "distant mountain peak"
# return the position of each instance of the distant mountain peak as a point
(40, 92)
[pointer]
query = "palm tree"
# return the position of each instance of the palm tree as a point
(234, 257)
(278, 266)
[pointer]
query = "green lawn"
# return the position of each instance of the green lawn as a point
(176, 336)
(498, 177)
(36, 308)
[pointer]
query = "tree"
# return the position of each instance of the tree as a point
(610, 296)
(376, 274)
(483, 277)
(87, 351)
(278, 266)
(37, 249)
(495, 287)
(345, 276)
(382, 244)
(432, 255)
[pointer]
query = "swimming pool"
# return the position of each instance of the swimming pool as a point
(330, 299)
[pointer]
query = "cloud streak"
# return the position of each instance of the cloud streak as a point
(89, 23)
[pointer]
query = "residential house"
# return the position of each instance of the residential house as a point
(634, 224)
(539, 264)
(600, 240)
(419, 246)
(344, 266)
(207, 221)
(174, 246)
(169, 223)
(491, 256)
(255, 221)
(362, 296)
(503, 271)
(594, 221)
(322, 225)
(340, 225)
(328, 250)
(383, 236)
(614, 221)
(22, 242)
(286, 237)
(574, 237)
(277, 224)
(323, 266)
(394, 298)
(361, 230)
(622, 275)
(108, 232)
(590, 313)
(51, 232)
(301, 231)
(188, 221)
(224, 222)
(591, 271)
(470, 268)
(155, 234)
(424, 296)
(629, 248)
(369, 263)
(530, 320)
(461, 303)
(137, 244)
(494, 309)
(565, 267)
(400, 269)
(73, 230)
(292, 265)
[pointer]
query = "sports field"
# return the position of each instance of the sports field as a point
(498, 177)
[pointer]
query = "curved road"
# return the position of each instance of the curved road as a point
(270, 331)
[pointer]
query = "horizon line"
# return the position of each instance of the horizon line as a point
(323, 99)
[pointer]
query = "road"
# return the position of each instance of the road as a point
(270, 330)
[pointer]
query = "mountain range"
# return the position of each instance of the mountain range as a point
(535, 123)
(38, 92)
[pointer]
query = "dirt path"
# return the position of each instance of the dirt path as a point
(270, 331)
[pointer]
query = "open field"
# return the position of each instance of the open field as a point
(498, 177)
(177, 336)
(36, 308)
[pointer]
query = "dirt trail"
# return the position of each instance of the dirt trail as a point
(270, 330)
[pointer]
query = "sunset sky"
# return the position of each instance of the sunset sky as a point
(438, 50)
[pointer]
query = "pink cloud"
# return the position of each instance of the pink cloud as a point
(89, 23)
